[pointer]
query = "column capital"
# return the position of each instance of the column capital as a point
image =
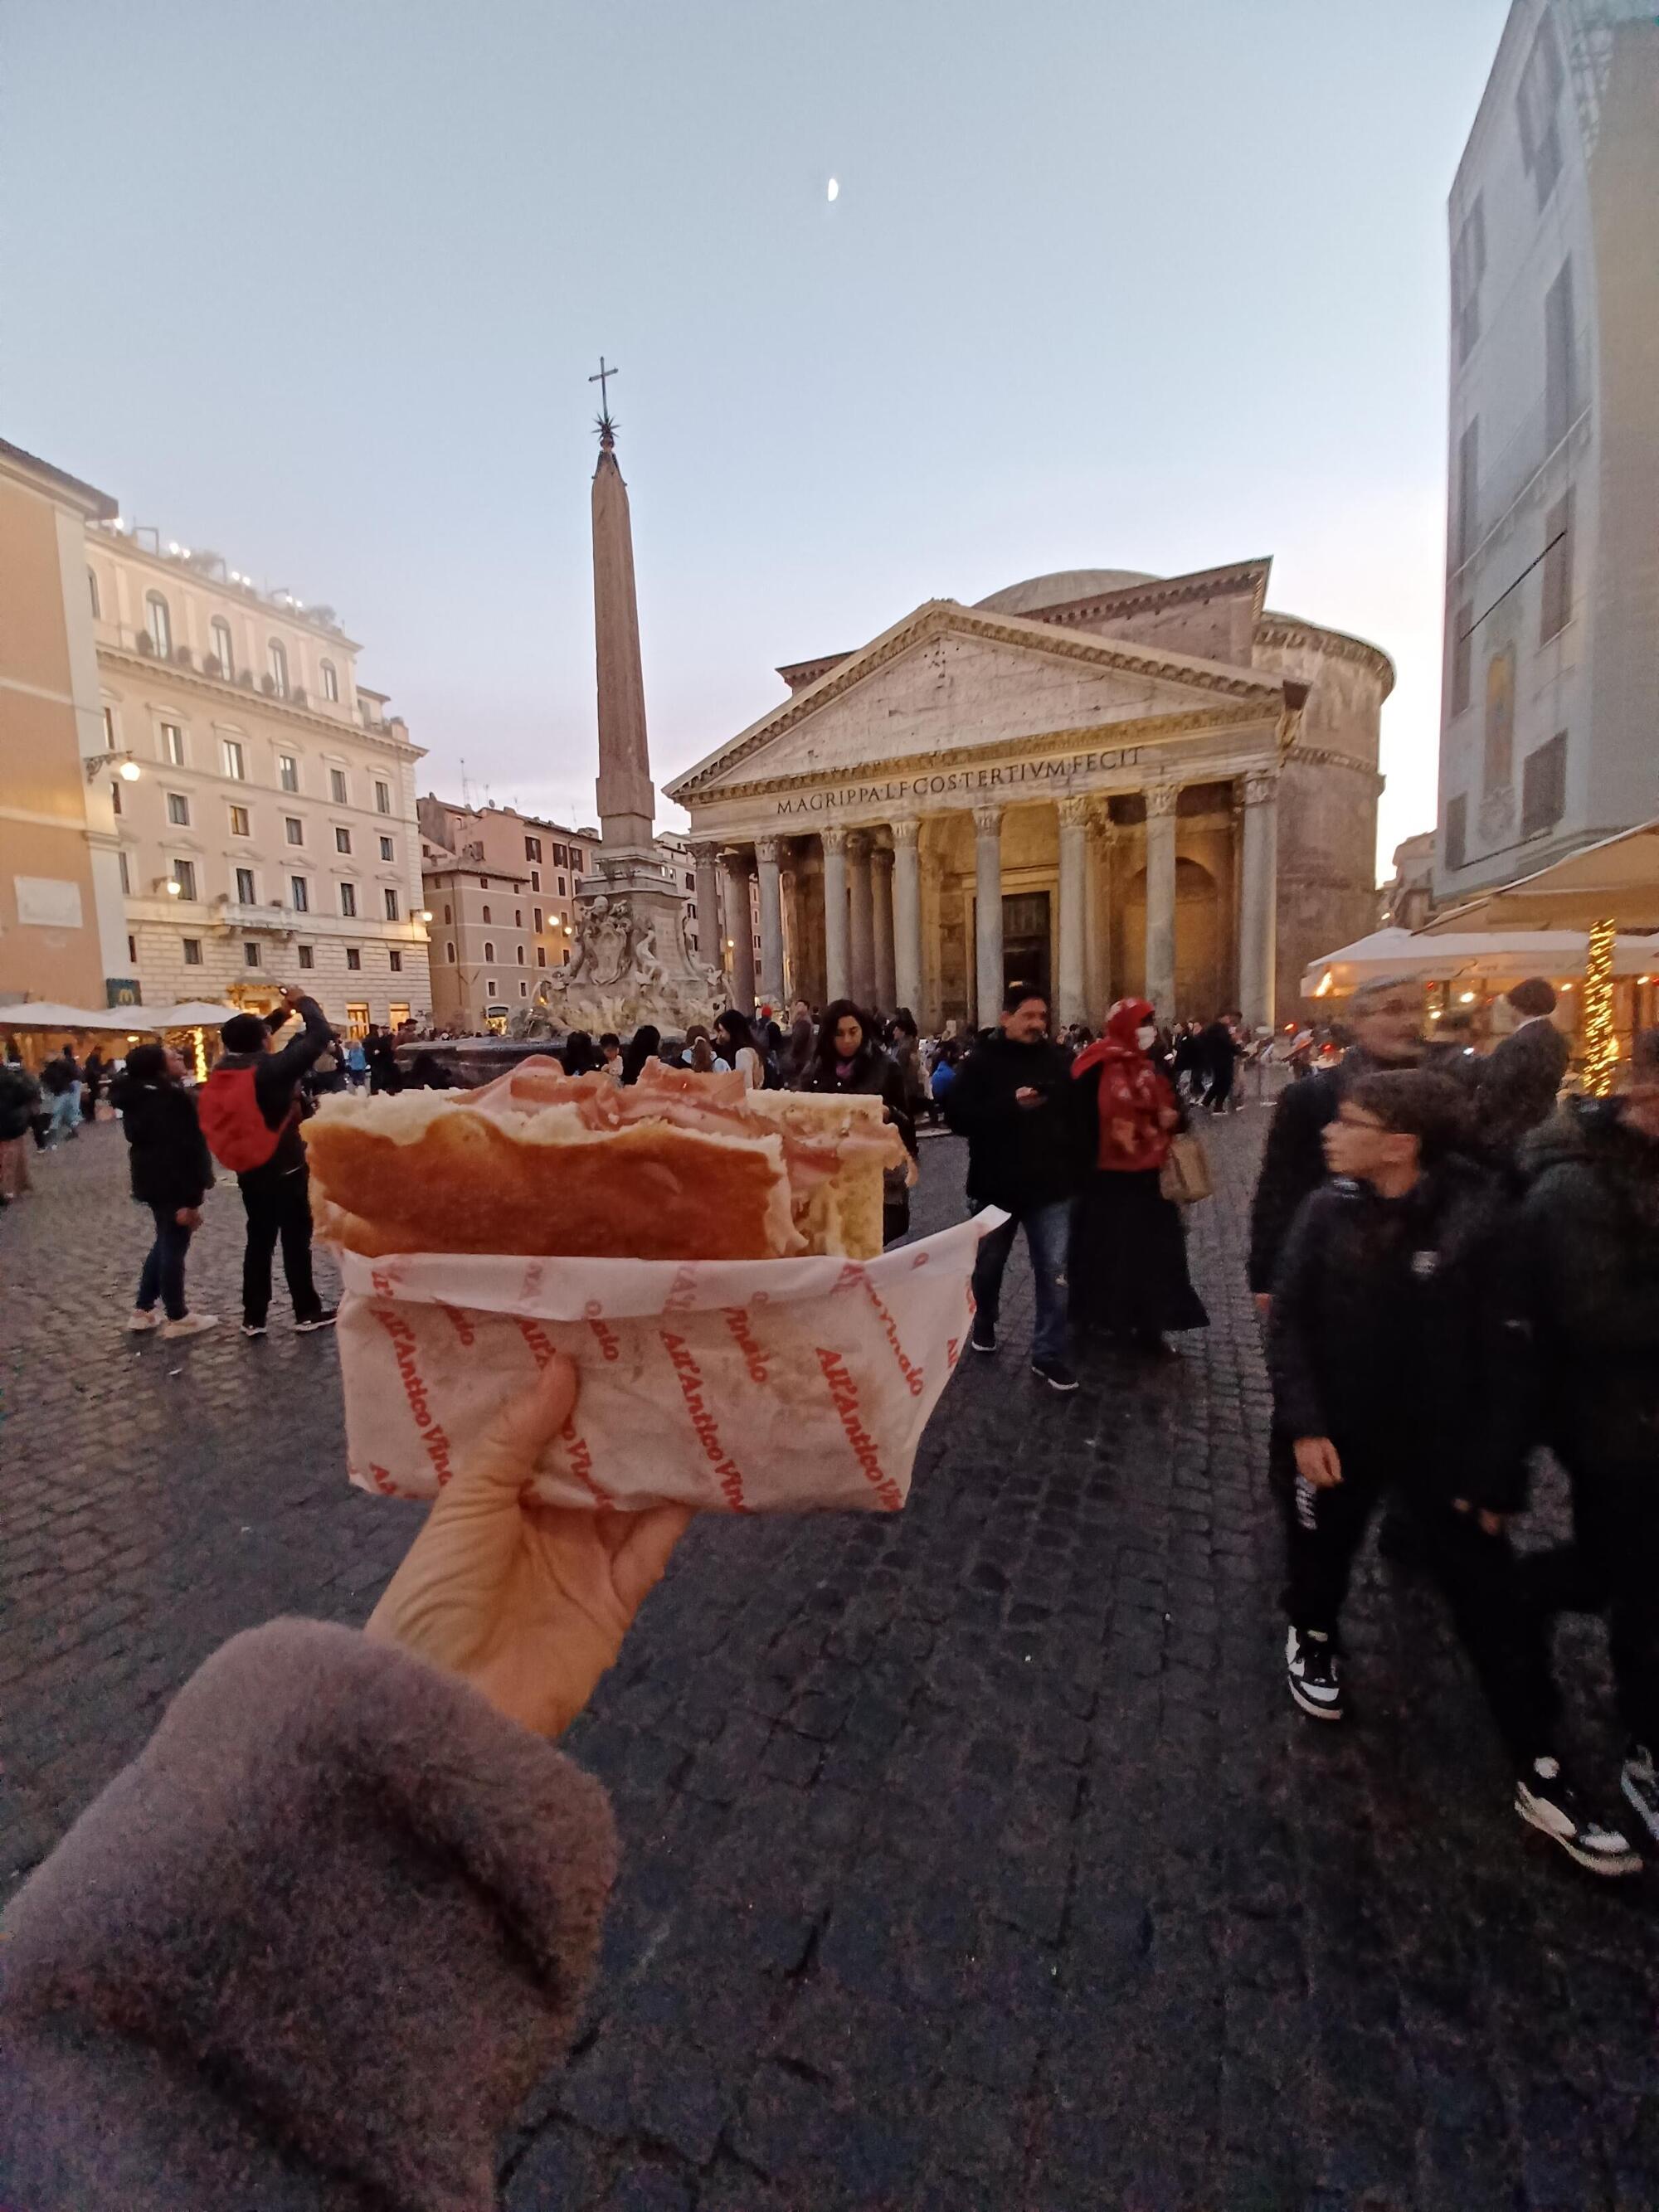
(704, 852)
(1073, 812)
(881, 856)
(858, 843)
(834, 838)
(988, 822)
(737, 859)
(907, 833)
(1261, 786)
(1162, 799)
(767, 850)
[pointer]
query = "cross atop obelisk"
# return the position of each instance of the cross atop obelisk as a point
(627, 802)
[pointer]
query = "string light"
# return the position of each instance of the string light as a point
(1601, 1040)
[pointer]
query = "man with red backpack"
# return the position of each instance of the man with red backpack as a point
(250, 1112)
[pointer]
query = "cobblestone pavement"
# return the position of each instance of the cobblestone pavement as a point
(974, 1857)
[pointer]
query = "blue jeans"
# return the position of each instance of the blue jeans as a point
(65, 1115)
(1047, 1229)
(164, 1265)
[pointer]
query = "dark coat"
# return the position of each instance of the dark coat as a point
(1293, 1160)
(167, 1151)
(307, 1952)
(1590, 1220)
(1398, 1328)
(1519, 1085)
(1018, 1157)
(20, 1100)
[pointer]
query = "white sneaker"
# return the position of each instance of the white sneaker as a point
(1310, 1670)
(139, 1320)
(192, 1325)
(1546, 1800)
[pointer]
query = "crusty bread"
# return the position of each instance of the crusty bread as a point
(680, 1167)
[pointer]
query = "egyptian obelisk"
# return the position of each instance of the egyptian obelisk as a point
(626, 799)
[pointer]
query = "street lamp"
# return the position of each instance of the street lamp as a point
(123, 762)
(172, 886)
(425, 914)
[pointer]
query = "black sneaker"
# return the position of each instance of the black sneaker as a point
(1055, 1373)
(326, 1319)
(1640, 1784)
(1310, 1670)
(1548, 1801)
(982, 1336)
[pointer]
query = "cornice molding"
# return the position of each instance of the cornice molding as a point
(1289, 631)
(192, 679)
(1164, 592)
(1136, 736)
(936, 618)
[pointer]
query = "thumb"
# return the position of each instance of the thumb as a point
(506, 1454)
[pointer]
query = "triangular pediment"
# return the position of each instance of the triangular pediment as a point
(951, 675)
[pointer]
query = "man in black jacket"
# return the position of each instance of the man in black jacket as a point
(1591, 1219)
(277, 1195)
(1386, 1018)
(1011, 1099)
(1398, 1356)
(172, 1175)
(1520, 1081)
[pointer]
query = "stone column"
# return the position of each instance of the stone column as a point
(1259, 900)
(1161, 899)
(881, 860)
(860, 935)
(711, 945)
(987, 914)
(835, 976)
(907, 917)
(739, 951)
(1072, 994)
(767, 856)
(789, 893)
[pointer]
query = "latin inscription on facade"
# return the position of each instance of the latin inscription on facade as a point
(957, 780)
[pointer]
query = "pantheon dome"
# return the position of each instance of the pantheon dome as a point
(1060, 585)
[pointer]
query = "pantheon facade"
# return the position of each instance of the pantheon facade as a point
(1096, 783)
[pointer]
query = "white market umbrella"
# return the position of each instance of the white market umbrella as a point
(1492, 955)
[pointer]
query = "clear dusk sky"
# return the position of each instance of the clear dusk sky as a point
(319, 283)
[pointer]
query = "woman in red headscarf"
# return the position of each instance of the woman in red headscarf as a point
(1128, 1258)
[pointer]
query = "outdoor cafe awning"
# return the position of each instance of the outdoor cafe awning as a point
(127, 1021)
(1616, 880)
(1470, 956)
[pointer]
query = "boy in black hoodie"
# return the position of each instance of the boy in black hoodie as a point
(1591, 1220)
(172, 1175)
(1398, 1349)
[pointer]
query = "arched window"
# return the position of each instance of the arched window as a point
(486, 913)
(330, 681)
(449, 954)
(490, 954)
(159, 623)
(222, 648)
(278, 668)
(521, 956)
(91, 585)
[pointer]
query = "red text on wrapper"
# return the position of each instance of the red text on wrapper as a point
(754, 1354)
(913, 1377)
(577, 1449)
(462, 1326)
(727, 1472)
(431, 1435)
(609, 1350)
(844, 1392)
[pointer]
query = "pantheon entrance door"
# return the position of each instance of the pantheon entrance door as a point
(1025, 939)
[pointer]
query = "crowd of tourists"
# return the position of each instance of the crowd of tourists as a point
(1453, 1269)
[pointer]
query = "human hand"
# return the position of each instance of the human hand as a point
(189, 1216)
(1264, 1304)
(1026, 1096)
(1316, 1462)
(527, 1602)
(290, 994)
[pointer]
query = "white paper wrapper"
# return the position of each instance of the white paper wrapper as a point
(740, 1385)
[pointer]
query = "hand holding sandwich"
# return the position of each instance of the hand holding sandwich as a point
(527, 1602)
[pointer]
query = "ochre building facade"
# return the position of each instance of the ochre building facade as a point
(1096, 781)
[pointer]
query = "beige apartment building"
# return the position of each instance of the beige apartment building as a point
(61, 935)
(501, 887)
(270, 836)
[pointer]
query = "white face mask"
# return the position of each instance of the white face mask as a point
(1147, 1037)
